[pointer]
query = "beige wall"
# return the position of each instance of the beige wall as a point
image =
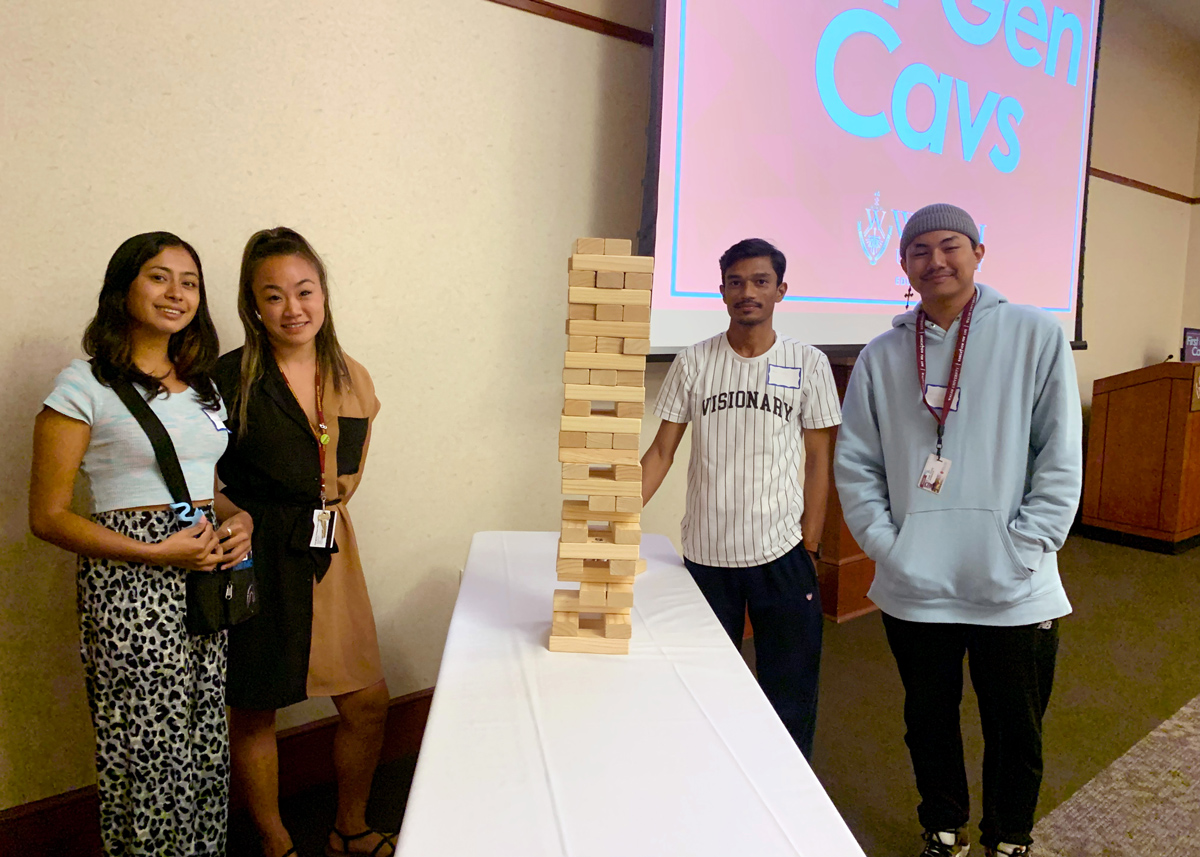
(1137, 265)
(638, 14)
(442, 155)
(1191, 297)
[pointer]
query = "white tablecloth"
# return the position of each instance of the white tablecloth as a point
(670, 750)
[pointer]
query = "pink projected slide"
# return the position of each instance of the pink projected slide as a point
(821, 125)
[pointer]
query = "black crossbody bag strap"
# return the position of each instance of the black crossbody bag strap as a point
(164, 449)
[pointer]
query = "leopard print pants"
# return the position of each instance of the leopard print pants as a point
(157, 697)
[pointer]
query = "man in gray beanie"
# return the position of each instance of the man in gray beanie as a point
(965, 556)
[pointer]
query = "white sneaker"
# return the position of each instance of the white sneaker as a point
(1004, 849)
(946, 843)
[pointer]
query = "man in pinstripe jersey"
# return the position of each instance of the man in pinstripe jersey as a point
(764, 406)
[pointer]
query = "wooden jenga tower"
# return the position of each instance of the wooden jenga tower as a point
(608, 330)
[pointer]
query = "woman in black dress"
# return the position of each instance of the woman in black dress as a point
(300, 412)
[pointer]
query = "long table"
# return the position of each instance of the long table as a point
(670, 750)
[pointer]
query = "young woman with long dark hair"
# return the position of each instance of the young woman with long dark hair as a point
(301, 413)
(156, 693)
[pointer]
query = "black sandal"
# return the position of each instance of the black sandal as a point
(387, 839)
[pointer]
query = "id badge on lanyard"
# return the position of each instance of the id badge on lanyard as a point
(324, 520)
(933, 475)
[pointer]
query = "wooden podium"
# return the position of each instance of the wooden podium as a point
(1142, 480)
(844, 570)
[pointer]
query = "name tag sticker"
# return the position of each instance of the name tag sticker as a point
(936, 396)
(783, 376)
(218, 423)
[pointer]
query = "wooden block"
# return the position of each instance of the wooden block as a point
(576, 471)
(610, 280)
(592, 360)
(628, 378)
(588, 642)
(623, 567)
(566, 624)
(594, 595)
(609, 344)
(577, 510)
(581, 343)
(581, 280)
(567, 601)
(597, 503)
(597, 483)
(599, 392)
(573, 440)
(599, 541)
(601, 312)
(623, 534)
(617, 626)
(626, 441)
(619, 297)
(616, 247)
(597, 456)
(640, 281)
(575, 532)
(631, 346)
(581, 311)
(629, 504)
(592, 571)
(636, 313)
(619, 595)
(577, 408)
(631, 410)
(624, 264)
(598, 440)
(603, 378)
(627, 472)
(600, 424)
(577, 376)
(589, 245)
(617, 329)
(588, 574)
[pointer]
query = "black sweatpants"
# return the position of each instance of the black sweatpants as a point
(1012, 670)
(785, 609)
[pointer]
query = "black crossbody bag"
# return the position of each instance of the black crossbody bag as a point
(217, 599)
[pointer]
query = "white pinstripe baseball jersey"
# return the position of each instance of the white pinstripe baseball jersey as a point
(744, 494)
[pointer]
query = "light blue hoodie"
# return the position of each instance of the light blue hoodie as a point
(983, 551)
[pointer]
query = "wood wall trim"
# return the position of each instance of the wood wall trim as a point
(69, 823)
(1143, 186)
(581, 19)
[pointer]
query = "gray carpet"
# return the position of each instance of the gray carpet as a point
(1145, 804)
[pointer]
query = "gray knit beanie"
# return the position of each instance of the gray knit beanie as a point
(936, 217)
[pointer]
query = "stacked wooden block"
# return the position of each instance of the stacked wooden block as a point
(608, 330)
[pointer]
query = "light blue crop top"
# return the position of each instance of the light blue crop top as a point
(119, 461)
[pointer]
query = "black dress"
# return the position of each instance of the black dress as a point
(272, 472)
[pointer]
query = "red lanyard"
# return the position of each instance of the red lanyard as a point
(322, 432)
(960, 349)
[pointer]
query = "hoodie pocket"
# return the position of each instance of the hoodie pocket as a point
(959, 554)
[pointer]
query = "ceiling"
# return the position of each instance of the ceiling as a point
(1184, 14)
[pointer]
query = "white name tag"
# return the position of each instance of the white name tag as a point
(324, 525)
(933, 477)
(218, 423)
(936, 396)
(783, 376)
